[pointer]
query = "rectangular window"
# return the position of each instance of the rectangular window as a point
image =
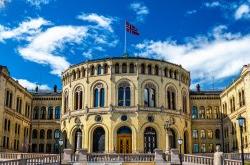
(195, 134)
(203, 134)
(196, 148)
(203, 148)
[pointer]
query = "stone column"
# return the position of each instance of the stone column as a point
(78, 141)
(218, 156)
(167, 143)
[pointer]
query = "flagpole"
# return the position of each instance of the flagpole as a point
(125, 39)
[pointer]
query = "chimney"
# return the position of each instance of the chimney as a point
(55, 88)
(36, 89)
(198, 88)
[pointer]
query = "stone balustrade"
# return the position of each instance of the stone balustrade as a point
(195, 159)
(236, 156)
(48, 159)
(232, 162)
(13, 155)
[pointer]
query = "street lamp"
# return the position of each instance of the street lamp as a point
(241, 121)
(180, 143)
(60, 144)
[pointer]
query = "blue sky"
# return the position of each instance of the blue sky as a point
(41, 38)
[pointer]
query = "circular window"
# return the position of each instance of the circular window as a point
(98, 118)
(151, 118)
(124, 117)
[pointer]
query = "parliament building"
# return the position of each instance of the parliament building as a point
(124, 105)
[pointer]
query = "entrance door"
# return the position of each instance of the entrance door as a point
(124, 143)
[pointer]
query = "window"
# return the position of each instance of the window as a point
(209, 113)
(195, 134)
(184, 102)
(36, 112)
(117, 68)
(78, 74)
(50, 113)
(166, 72)
(203, 134)
(57, 112)
(83, 72)
(34, 134)
(124, 68)
(42, 134)
(8, 99)
(48, 148)
(196, 148)
(5, 124)
(149, 95)
(243, 97)
(156, 70)
(203, 148)
(78, 98)
(170, 73)
(99, 69)
(66, 101)
(171, 98)
(74, 75)
(149, 69)
(124, 94)
(194, 112)
(131, 68)
(92, 70)
(57, 134)
(202, 112)
(217, 134)
(8, 125)
(105, 69)
(240, 101)
(43, 113)
(49, 134)
(99, 96)
(41, 147)
(142, 68)
(210, 148)
(19, 105)
(210, 134)
(175, 75)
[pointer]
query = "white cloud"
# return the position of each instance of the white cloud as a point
(140, 9)
(32, 85)
(191, 12)
(43, 49)
(100, 20)
(38, 3)
(243, 11)
(212, 4)
(3, 3)
(220, 56)
(25, 30)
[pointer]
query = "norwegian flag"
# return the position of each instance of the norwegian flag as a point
(131, 29)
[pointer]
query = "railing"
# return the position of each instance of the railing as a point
(232, 162)
(147, 157)
(195, 159)
(236, 156)
(31, 161)
(10, 155)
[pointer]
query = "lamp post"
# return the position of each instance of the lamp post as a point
(60, 144)
(180, 143)
(241, 121)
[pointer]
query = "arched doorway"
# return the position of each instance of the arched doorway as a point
(124, 140)
(78, 132)
(185, 142)
(172, 138)
(99, 140)
(65, 141)
(150, 140)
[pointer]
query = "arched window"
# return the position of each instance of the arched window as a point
(184, 102)
(124, 94)
(92, 70)
(217, 134)
(78, 74)
(66, 101)
(49, 134)
(99, 96)
(202, 112)
(74, 75)
(166, 72)
(149, 69)
(117, 68)
(78, 98)
(131, 68)
(194, 112)
(83, 72)
(150, 140)
(42, 134)
(209, 113)
(50, 113)
(57, 134)
(209, 134)
(36, 112)
(149, 95)
(34, 134)
(99, 140)
(175, 75)
(171, 98)
(142, 68)
(203, 134)
(43, 113)
(170, 73)
(124, 68)
(57, 112)
(99, 69)
(156, 70)
(105, 68)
